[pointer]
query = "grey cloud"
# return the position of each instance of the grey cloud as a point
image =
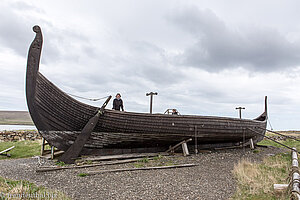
(16, 29)
(149, 62)
(12, 89)
(16, 33)
(19, 5)
(13, 32)
(65, 44)
(219, 47)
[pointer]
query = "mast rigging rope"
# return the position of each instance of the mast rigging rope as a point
(286, 136)
(90, 99)
(272, 140)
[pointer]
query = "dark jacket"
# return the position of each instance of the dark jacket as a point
(117, 104)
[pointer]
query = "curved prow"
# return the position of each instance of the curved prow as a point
(32, 73)
(266, 105)
(264, 115)
(33, 63)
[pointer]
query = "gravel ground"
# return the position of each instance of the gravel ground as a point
(211, 179)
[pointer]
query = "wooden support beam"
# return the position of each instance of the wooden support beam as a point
(144, 168)
(185, 149)
(45, 152)
(55, 154)
(48, 151)
(43, 146)
(280, 188)
(52, 152)
(124, 156)
(251, 144)
(46, 169)
(196, 140)
(263, 146)
(73, 152)
(177, 145)
(5, 152)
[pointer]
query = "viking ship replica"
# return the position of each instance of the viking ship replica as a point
(62, 120)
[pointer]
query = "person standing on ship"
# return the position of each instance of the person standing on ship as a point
(118, 103)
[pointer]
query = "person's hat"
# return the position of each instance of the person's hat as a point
(118, 94)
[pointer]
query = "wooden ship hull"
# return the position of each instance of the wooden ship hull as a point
(60, 118)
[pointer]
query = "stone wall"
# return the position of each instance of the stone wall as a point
(6, 136)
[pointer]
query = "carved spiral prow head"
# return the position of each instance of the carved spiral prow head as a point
(36, 29)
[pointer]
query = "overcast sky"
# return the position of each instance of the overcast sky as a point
(202, 57)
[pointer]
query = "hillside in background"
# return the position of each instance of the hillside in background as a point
(15, 118)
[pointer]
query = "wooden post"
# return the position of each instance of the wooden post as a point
(151, 99)
(52, 152)
(177, 145)
(43, 147)
(47, 152)
(294, 186)
(295, 181)
(196, 135)
(280, 188)
(185, 149)
(295, 163)
(183, 145)
(251, 144)
(240, 111)
(295, 196)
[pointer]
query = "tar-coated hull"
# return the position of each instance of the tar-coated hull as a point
(60, 118)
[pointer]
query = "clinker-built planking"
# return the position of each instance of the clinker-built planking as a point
(60, 119)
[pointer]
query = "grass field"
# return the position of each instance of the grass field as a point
(15, 118)
(23, 149)
(255, 180)
(11, 189)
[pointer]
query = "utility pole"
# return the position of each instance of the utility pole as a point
(240, 111)
(151, 99)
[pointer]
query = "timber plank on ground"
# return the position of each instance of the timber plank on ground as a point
(124, 156)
